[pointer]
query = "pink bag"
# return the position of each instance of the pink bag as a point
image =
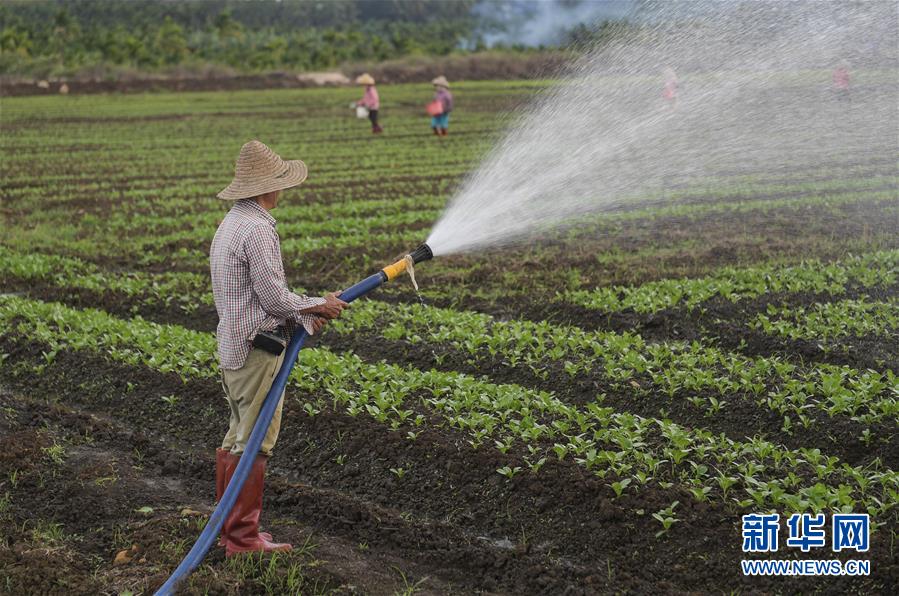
(435, 108)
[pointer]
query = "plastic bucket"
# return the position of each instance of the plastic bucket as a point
(435, 108)
(361, 112)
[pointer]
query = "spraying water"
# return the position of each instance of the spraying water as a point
(691, 89)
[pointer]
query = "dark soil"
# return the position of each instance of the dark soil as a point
(107, 473)
(96, 495)
(77, 87)
(474, 68)
(450, 518)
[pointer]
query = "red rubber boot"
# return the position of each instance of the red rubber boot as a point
(221, 479)
(224, 467)
(221, 457)
(241, 527)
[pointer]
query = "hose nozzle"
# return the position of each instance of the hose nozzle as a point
(422, 253)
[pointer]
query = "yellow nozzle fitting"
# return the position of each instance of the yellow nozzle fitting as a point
(393, 271)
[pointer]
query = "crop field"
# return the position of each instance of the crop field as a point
(590, 412)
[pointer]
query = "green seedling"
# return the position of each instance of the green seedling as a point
(56, 453)
(666, 517)
(508, 471)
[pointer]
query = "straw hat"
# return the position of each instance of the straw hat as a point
(260, 170)
(365, 79)
(441, 81)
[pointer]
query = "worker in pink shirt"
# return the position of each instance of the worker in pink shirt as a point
(841, 80)
(669, 93)
(443, 97)
(370, 101)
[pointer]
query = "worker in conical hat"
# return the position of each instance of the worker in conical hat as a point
(257, 315)
(670, 90)
(841, 80)
(442, 95)
(370, 101)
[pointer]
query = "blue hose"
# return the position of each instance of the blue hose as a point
(214, 526)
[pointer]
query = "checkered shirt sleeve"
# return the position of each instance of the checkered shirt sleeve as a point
(263, 250)
(249, 285)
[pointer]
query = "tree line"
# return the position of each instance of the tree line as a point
(60, 37)
(57, 37)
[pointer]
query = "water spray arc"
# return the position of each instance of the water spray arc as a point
(689, 91)
(213, 527)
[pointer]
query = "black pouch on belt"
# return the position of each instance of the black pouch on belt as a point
(270, 341)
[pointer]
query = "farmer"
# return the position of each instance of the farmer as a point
(669, 92)
(440, 122)
(370, 101)
(841, 80)
(257, 313)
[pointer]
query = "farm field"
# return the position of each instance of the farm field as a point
(588, 413)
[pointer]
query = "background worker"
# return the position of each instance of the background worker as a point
(841, 80)
(440, 122)
(257, 315)
(370, 101)
(671, 88)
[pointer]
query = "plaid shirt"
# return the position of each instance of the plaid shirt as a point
(248, 283)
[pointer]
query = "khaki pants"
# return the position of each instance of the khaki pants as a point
(245, 390)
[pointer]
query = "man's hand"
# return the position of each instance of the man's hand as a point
(332, 307)
(318, 323)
